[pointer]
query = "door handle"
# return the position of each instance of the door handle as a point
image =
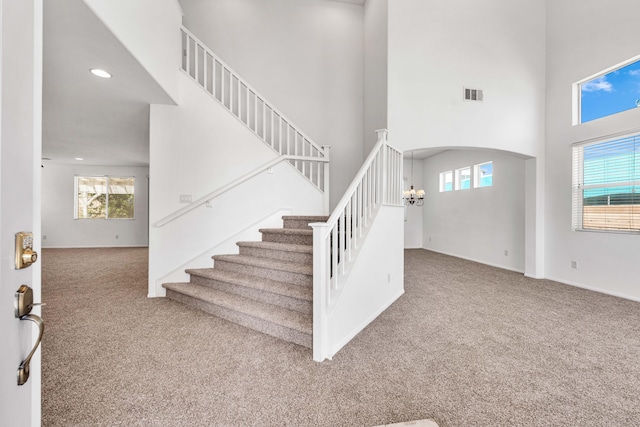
(23, 305)
(23, 369)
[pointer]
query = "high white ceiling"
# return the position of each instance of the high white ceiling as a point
(104, 121)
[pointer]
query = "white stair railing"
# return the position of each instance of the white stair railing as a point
(336, 243)
(252, 109)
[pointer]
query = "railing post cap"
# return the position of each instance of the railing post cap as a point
(382, 133)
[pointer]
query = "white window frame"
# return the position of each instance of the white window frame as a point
(578, 185)
(107, 177)
(458, 178)
(443, 181)
(576, 118)
(476, 175)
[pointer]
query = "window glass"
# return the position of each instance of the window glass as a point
(610, 93)
(483, 174)
(91, 197)
(606, 185)
(463, 178)
(120, 197)
(104, 197)
(446, 181)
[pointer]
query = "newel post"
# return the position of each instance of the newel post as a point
(320, 291)
(326, 150)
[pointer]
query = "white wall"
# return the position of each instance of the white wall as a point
(197, 148)
(606, 262)
(60, 230)
(150, 30)
(375, 281)
(413, 214)
(376, 36)
(306, 57)
(438, 48)
(480, 223)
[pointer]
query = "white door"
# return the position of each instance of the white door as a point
(20, 152)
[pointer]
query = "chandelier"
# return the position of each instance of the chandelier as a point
(413, 197)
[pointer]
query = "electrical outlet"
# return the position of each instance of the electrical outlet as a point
(506, 252)
(185, 198)
(574, 264)
(117, 236)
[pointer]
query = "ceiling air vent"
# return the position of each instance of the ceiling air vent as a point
(473, 94)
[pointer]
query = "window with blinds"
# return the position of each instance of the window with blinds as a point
(606, 185)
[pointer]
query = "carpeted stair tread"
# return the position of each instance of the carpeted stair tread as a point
(288, 231)
(311, 218)
(259, 310)
(255, 282)
(286, 247)
(271, 264)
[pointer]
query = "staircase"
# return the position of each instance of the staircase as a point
(267, 287)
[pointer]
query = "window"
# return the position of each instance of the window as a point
(609, 92)
(606, 185)
(483, 175)
(102, 197)
(463, 178)
(446, 181)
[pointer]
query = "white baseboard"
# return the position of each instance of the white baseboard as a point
(594, 289)
(474, 260)
(94, 247)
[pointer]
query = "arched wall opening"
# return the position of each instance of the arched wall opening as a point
(494, 225)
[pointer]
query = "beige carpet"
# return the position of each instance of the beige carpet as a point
(467, 345)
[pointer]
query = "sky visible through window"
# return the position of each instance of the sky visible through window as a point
(611, 93)
(485, 175)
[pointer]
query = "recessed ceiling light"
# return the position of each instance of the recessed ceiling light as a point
(100, 73)
(78, 158)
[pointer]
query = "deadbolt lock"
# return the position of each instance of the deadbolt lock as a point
(25, 255)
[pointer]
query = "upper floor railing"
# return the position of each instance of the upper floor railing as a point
(252, 109)
(336, 243)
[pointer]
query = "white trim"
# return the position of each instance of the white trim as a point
(610, 69)
(94, 247)
(594, 289)
(474, 260)
(608, 137)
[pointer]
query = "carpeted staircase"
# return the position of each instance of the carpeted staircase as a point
(267, 287)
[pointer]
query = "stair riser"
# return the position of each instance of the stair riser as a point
(290, 303)
(298, 224)
(283, 276)
(294, 239)
(300, 258)
(245, 320)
